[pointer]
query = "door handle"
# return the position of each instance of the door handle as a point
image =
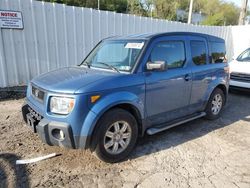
(187, 77)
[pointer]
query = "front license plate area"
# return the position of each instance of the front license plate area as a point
(32, 123)
(33, 118)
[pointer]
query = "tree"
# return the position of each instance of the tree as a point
(80, 3)
(243, 12)
(165, 9)
(136, 7)
(215, 19)
(221, 14)
(230, 13)
(217, 12)
(119, 6)
(111, 5)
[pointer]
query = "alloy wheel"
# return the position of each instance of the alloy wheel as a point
(117, 137)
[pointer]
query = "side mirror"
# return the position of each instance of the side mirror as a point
(157, 65)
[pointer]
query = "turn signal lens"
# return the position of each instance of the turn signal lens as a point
(94, 98)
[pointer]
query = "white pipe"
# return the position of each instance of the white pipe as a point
(190, 11)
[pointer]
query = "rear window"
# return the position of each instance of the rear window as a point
(198, 51)
(218, 52)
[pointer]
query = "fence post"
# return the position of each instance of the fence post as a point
(3, 83)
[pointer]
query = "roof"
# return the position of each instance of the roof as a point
(148, 36)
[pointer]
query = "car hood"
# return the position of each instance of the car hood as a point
(70, 79)
(241, 67)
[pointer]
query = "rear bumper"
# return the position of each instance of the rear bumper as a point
(51, 132)
(239, 84)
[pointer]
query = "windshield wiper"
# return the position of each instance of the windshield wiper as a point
(86, 63)
(110, 66)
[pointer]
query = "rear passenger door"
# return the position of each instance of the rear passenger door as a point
(202, 72)
(168, 92)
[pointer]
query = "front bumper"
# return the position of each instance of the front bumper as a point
(240, 84)
(50, 132)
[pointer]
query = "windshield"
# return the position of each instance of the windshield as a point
(115, 55)
(244, 56)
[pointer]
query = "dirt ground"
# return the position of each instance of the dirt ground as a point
(197, 154)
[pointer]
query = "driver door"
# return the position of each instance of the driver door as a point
(168, 92)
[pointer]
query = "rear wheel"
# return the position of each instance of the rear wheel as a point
(215, 104)
(116, 136)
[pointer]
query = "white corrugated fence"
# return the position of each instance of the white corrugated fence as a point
(57, 35)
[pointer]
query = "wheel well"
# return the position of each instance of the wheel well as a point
(125, 106)
(224, 89)
(134, 111)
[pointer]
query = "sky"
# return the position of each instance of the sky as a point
(237, 2)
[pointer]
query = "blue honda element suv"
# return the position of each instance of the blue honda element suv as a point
(127, 87)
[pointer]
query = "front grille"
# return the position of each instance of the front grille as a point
(37, 93)
(33, 118)
(34, 114)
(241, 77)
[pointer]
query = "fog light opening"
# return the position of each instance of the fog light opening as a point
(58, 134)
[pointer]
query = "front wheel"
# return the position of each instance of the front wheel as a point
(116, 136)
(215, 104)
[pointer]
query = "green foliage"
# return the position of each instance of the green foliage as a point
(230, 14)
(111, 5)
(81, 3)
(222, 14)
(136, 7)
(119, 6)
(217, 12)
(165, 9)
(215, 19)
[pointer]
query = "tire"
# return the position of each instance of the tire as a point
(116, 135)
(215, 104)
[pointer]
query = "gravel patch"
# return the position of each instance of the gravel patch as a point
(200, 153)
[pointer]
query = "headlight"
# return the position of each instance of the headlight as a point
(61, 105)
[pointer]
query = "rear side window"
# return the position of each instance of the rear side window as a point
(218, 52)
(172, 52)
(198, 51)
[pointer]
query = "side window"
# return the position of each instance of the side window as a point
(218, 52)
(172, 52)
(244, 56)
(198, 51)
